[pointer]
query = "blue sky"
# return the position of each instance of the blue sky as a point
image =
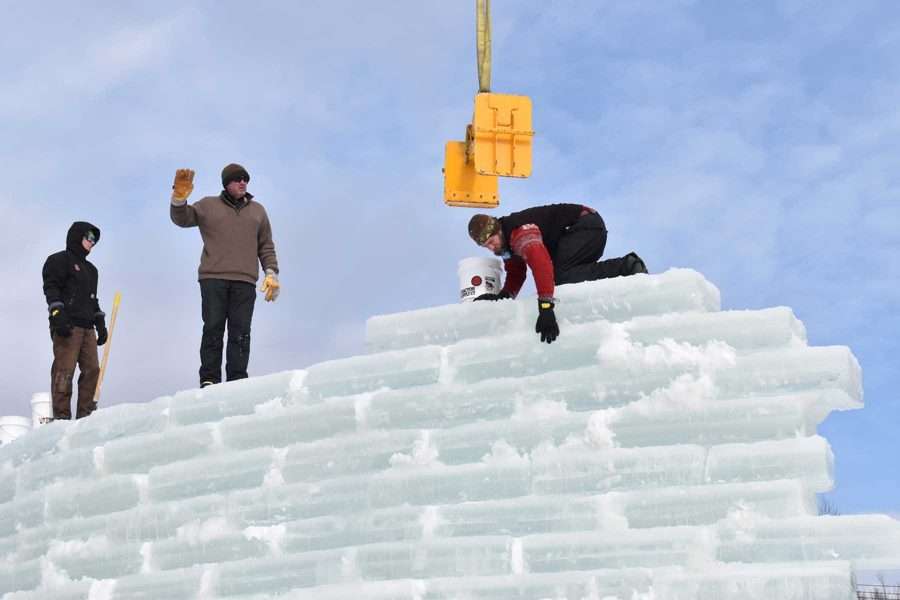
(756, 142)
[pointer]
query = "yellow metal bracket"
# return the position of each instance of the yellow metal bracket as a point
(463, 186)
(498, 140)
(502, 135)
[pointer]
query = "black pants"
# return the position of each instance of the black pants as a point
(578, 251)
(225, 303)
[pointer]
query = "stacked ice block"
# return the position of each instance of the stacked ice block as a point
(660, 449)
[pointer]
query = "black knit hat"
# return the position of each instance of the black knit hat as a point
(481, 227)
(233, 172)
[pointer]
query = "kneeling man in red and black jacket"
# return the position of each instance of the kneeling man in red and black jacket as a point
(561, 243)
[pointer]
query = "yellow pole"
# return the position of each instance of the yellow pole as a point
(112, 325)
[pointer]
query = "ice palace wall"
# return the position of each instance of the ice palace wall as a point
(661, 448)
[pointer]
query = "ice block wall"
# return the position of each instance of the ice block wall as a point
(661, 448)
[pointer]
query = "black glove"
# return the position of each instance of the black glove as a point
(59, 322)
(503, 295)
(546, 322)
(102, 334)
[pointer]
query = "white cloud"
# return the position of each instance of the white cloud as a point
(64, 78)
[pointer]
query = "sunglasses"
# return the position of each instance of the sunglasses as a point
(91, 237)
(239, 179)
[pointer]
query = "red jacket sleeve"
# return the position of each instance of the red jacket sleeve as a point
(527, 242)
(515, 275)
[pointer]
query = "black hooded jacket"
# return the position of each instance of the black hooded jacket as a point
(70, 281)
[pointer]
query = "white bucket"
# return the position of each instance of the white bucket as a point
(13, 427)
(41, 410)
(478, 276)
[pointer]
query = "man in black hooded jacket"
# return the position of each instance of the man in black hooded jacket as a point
(70, 286)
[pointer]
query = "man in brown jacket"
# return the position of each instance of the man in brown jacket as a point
(237, 237)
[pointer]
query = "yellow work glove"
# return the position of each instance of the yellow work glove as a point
(270, 286)
(183, 186)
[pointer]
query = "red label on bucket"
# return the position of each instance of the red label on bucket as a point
(476, 281)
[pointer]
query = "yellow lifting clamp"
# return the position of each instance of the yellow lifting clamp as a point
(498, 141)
(502, 135)
(462, 185)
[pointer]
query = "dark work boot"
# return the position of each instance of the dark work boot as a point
(633, 264)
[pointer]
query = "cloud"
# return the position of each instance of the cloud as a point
(57, 82)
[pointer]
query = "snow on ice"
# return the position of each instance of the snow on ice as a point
(661, 449)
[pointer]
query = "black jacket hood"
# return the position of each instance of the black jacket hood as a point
(76, 233)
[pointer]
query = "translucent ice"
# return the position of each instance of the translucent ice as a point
(661, 448)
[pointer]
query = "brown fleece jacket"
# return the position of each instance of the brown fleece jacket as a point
(235, 240)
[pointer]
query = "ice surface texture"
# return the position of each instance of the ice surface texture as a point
(660, 449)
